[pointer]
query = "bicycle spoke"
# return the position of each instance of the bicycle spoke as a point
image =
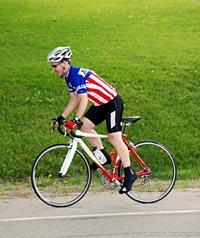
(155, 186)
(60, 191)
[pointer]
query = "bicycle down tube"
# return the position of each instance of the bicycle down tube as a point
(111, 176)
(75, 141)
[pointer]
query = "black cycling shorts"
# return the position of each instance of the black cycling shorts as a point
(111, 112)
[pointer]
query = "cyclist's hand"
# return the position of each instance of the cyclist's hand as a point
(77, 121)
(60, 121)
(73, 123)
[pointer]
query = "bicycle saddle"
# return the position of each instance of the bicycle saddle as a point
(131, 119)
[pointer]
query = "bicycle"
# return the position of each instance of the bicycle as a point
(61, 173)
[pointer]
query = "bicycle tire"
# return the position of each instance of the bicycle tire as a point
(156, 186)
(54, 190)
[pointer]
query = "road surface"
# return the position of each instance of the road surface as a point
(103, 215)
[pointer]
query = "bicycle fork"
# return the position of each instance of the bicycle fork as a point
(68, 159)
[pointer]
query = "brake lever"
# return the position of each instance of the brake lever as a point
(53, 122)
(65, 134)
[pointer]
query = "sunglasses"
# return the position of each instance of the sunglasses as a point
(54, 66)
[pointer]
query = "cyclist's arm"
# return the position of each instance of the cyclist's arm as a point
(73, 102)
(78, 92)
(82, 104)
(80, 100)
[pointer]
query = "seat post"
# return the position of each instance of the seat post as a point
(126, 127)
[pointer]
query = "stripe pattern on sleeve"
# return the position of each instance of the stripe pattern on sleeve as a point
(99, 91)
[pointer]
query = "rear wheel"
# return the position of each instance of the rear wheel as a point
(60, 191)
(158, 184)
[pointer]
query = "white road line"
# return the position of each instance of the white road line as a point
(99, 215)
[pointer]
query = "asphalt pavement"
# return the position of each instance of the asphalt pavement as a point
(104, 214)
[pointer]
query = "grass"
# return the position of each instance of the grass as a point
(23, 188)
(148, 50)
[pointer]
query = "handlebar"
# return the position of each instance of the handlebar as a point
(53, 125)
(77, 134)
(63, 131)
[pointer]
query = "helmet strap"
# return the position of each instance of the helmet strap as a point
(65, 70)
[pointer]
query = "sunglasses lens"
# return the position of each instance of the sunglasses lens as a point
(54, 65)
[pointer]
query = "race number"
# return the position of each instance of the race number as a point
(83, 72)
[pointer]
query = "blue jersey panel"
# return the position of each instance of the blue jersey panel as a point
(76, 79)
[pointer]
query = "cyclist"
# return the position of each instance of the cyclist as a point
(84, 86)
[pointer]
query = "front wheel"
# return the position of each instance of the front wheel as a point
(158, 184)
(55, 190)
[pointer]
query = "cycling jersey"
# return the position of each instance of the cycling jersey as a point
(81, 80)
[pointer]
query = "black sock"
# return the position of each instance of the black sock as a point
(130, 177)
(129, 171)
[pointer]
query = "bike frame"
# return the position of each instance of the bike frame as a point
(77, 141)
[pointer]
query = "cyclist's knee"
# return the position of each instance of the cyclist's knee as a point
(87, 125)
(115, 138)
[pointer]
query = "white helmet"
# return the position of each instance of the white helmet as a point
(58, 54)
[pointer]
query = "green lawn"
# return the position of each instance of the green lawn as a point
(149, 50)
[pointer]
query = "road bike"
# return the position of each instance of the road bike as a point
(61, 173)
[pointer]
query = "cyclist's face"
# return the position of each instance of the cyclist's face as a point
(58, 68)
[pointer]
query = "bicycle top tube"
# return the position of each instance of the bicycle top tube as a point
(84, 134)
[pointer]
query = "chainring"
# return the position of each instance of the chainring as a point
(106, 182)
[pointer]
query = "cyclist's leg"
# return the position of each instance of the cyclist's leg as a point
(88, 126)
(93, 117)
(113, 121)
(116, 140)
(114, 126)
(130, 176)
